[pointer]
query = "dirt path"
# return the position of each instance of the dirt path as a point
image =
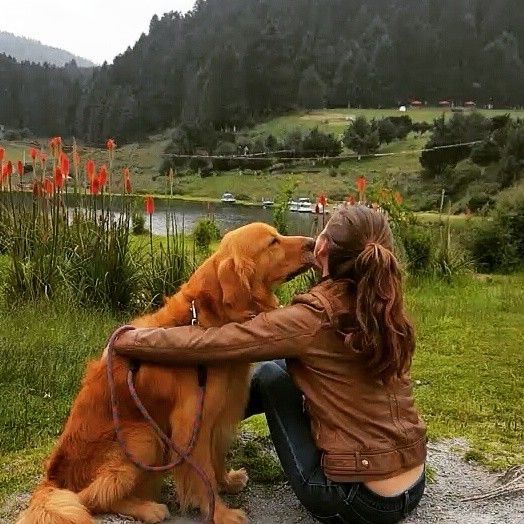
(442, 504)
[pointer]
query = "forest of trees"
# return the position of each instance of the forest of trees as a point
(231, 62)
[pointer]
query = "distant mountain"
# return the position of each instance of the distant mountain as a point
(25, 49)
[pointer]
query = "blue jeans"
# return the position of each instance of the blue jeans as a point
(274, 394)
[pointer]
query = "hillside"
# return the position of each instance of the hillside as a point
(402, 171)
(234, 62)
(25, 49)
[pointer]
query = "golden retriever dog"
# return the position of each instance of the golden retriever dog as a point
(88, 472)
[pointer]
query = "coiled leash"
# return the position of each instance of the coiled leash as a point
(182, 455)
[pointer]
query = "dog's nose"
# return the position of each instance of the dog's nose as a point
(309, 244)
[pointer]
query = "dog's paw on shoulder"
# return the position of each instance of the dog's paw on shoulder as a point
(235, 481)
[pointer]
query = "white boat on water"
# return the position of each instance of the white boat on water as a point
(228, 198)
(267, 202)
(304, 205)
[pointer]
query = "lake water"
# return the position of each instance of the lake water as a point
(227, 216)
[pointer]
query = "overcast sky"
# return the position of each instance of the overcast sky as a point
(94, 29)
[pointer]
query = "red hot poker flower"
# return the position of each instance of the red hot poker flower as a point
(33, 153)
(127, 181)
(361, 184)
(59, 177)
(48, 186)
(322, 200)
(111, 144)
(64, 164)
(4, 173)
(94, 188)
(150, 205)
(2, 154)
(20, 167)
(9, 168)
(90, 170)
(351, 200)
(102, 176)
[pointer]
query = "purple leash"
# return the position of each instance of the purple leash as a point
(182, 455)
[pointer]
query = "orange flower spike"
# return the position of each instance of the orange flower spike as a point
(20, 167)
(398, 198)
(4, 173)
(59, 177)
(33, 153)
(102, 176)
(351, 200)
(127, 181)
(361, 184)
(150, 205)
(48, 186)
(111, 145)
(64, 164)
(90, 170)
(9, 167)
(94, 188)
(2, 154)
(322, 200)
(43, 158)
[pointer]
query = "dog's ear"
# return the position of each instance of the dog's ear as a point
(235, 275)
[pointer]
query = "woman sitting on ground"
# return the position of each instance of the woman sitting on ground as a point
(339, 408)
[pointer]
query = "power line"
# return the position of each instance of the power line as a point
(271, 154)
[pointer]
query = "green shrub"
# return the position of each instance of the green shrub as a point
(417, 242)
(138, 222)
(498, 243)
(205, 232)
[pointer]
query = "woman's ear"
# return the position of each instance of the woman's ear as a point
(321, 253)
(234, 276)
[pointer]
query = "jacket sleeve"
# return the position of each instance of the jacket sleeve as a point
(282, 333)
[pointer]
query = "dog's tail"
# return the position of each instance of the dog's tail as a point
(50, 505)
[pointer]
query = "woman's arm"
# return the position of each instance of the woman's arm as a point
(282, 333)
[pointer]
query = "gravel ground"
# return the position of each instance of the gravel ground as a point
(442, 503)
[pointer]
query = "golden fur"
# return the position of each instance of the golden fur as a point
(88, 473)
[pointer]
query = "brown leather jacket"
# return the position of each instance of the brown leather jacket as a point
(366, 430)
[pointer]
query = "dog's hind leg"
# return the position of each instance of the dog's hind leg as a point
(118, 480)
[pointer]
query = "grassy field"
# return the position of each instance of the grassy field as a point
(403, 170)
(467, 371)
(336, 120)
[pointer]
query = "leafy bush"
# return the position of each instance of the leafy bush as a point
(499, 242)
(417, 242)
(459, 129)
(205, 232)
(138, 222)
(361, 137)
(387, 132)
(315, 144)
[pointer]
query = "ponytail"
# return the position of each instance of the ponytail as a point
(384, 335)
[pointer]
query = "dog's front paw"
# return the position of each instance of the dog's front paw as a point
(235, 481)
(152, 513)
(230, 516)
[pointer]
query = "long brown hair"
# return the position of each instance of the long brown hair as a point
(360, 247)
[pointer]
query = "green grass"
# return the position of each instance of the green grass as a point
(469, 363)
(336, 120)
(467, 371)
